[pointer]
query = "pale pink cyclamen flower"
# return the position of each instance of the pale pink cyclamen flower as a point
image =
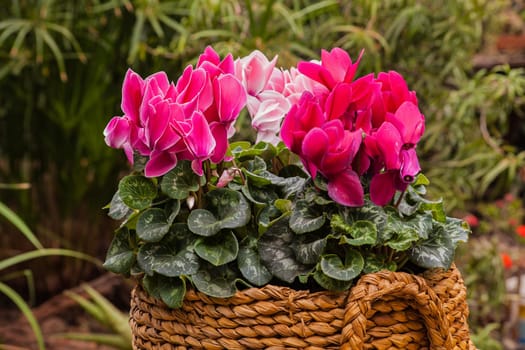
(266, 103)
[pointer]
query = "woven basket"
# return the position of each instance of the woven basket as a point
(384, 310)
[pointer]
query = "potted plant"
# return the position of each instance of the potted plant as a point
(316, 236)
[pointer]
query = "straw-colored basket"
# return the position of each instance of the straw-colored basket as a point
(385, 310)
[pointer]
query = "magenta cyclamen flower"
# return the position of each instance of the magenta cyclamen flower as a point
(350, 128)
(190, 120)
(325, 147)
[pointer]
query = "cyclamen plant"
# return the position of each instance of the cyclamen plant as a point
(331, 189)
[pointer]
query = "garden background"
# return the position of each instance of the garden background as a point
(61, 68)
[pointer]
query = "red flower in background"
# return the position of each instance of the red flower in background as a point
(506, 260)
(520, 231)
(472, 220)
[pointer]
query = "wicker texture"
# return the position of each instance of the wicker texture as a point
(385, 310)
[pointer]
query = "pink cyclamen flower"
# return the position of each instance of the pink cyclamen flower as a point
(188, 120)
(336, 67)
(394, 92)
(301, 118)
(324, 146)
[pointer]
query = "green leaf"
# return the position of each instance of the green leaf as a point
(284, 205)
(255, 171)
(251, 266)
(149, 282)
(362, 232)
(266, 217)
(215, 281)
(329, 283)
(174, 211)
(437, 251)
(139, 162)
(263, 149)
(120, 256)
(333, 267)
(228, 209)
(370, 213)
(172, 256)
(152, 225)
(305, 218)
(180, 181)
(308, 250)
(117, 209)
(422, 223)
(373, 263)
(398, 234)
(137, 192)
(258, 195)
(276, 252)
(457, 229)
(203, 223)
(289, 186)
(170, 290)
(421, 180)
(436, 208)
(219, 249)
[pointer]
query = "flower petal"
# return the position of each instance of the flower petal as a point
(338, 101)
(382, 188)
(409, 165)
(132, 89)
(409, 121)
(346, 189)
(230, 97)
(116, 133)
(160, 163)
(315, 145)
(199, 139)
(389, 143)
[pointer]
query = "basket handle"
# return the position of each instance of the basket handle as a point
(411, 288)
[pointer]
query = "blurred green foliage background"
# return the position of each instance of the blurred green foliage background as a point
(62, 64)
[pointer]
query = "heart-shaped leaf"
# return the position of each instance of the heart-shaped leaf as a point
(277, 255)
(358, 233)
(120, 256)
(172, 256)
(136, 191)
(215, 281)
(251, 266)
(219, 249)
(333, 267)
(422, 223)
(170, 290)
(329, 283)
(180, 181)
(203, 222)
(117, 208)
(305, 218)
(227, 209)
(398, 234)
(437, 251)
(308, 250)
(374, 264)
(152, 225)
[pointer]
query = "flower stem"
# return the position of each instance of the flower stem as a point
(399, 199)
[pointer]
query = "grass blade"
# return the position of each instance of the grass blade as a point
(17, 259)
(20, 225)
(26, 311)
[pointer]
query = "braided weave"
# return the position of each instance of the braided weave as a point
(384, 311)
